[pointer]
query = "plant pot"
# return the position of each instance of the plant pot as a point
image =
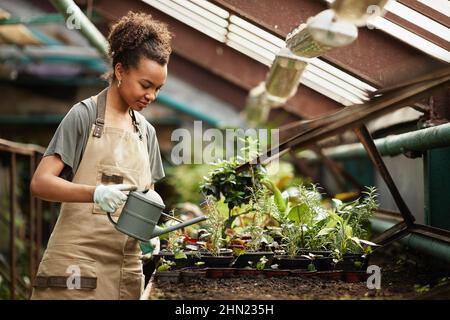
(355, 276)
(222, 252)
(192, 258)
(302, 273)
(296, 262)
(270, 273)
(352, 262)
(323, 263)
(249, 272)
(167, 276)
(189, 274)
(216, 261)
(219, 273)
(324, 253)
(250, 259)
(335, 275)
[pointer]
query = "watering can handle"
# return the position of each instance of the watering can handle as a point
(110, 218)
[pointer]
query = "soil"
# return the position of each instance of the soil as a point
(404, 275)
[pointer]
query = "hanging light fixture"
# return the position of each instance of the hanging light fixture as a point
(358, 12)
(257, 106)
(321, 34)
(284, 75)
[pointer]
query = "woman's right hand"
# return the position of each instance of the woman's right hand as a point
(111, 197)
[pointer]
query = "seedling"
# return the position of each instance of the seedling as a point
(164, 265)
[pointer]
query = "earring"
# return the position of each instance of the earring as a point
(120, 82)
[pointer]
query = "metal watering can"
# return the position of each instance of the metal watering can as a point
(141, 213)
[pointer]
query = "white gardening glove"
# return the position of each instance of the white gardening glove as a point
(111, 197)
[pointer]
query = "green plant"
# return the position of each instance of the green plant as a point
(301, 215)
(4, 290)
(292, 235)
(314, 240)
(301, 205)
(224, 180)
(260, 208)
(443, 281)
(312, 258)
(421, 289)
(343, 239)
(214, 226)
(358, 212)
(311, 267)
(174, 244)
(346, 227)
(261, 264)
(164, 265)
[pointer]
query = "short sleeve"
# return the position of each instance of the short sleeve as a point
(156, 164)
(69, 139)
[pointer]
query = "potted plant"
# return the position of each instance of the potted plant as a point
(163, 272)
(301, 216)
(213, 253)
(254, 248)
(175, 251)
(253, 269)
(345, 228)
(223, 182)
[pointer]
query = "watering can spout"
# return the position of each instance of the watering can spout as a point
(159, 231)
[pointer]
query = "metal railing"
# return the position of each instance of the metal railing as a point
(29, 208)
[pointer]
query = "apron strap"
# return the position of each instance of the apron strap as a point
(100, 120)
(61, 282)
(135, 123)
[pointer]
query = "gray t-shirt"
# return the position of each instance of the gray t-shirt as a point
(73, 132)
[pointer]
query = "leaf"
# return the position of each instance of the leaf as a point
(348, 231)
(163, 267)
(332, 221)
(336, 217)
(325, 231)
(311, 267)
(356, 240)
(180, 255)
(336, 202)
(280, 202)
(299, 214)
(369, 243)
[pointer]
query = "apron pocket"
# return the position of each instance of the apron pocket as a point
(131, 285)
(107, 174)
(68, 275)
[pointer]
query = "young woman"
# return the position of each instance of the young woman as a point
(102, 149)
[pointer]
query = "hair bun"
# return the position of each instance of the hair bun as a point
(137, 34)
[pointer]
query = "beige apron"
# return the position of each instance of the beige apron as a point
(86, 257)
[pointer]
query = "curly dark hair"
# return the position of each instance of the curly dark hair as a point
(138, 35)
